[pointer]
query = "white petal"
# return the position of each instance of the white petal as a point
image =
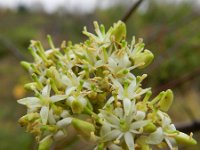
(127, 106)
(110, 100)
(51, 118)
(133, 107)
(139, 124)
(104, 130)
(59, 135)
(140, 115)
(46, 138)
(64, 122)
(131, 89)
(44, 114)
(29, 101)
(68, 91)
(83, 101)
(110, 117)
(171, 142)
(155, 137)
(142, 92)
(114, 147)
(106, 123)
(111, 135)
(64, 114)
(118, 85)
(112, 64)
(57, 98)
(119, 112)
(99, 63)
(46, 90)
(129, 141)
(165, 119)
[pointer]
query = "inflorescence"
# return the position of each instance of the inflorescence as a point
(91, 87)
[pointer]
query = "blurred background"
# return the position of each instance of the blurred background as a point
(170, 29)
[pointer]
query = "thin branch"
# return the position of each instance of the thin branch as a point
(171, 84)
(12, 48)
(131, 11)
(189, 127)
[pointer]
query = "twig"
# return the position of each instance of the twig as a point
(189, 127)
(195, 73)
(131, 11)
(12, 48)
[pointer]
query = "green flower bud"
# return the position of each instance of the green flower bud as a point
(142, 144)
(84, 128)
(141, 106)
(26, 66)
(57, 109)
(119, 31)
(50, 42)
(45, 144)
(77, 107)
(185, 139)
(51, 128)
(143, 59)
(28, 118)
(101, 146)
(31, 86)
(35, 78)
(150, 127)
(166, 100)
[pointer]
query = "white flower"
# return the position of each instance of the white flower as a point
(43, 104)
(118, 125)
(126, 94)
(118, 61)
(160, 134)
(102, 37)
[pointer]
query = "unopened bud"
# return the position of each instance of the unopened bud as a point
(51, 128)
(185, 139)
(31, 86)
(77, 107)
(45, 144)
(150, 127)
(28, 118)
(166, 100)
(83, 127)
(26, 66)
(119, 31)
(144, 58)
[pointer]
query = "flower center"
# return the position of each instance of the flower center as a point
(124, 126)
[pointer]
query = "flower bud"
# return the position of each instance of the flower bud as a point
(31, 86)
(53, 73)
(51, 128)
(185, 139)
(26, 66)
(59, 135)
(142, 144)
(77, 107)
(119, 31)
(83, 127)
(45, 144)
(143, 59)
(166, 100)
(28, 118)
(149, 128)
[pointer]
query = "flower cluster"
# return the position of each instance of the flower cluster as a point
(91, 87)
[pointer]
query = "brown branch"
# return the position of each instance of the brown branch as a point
(189, 127)
(131, 11)
(171, 84)
(12, 48)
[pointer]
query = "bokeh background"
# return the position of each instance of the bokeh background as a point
(170, 29)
